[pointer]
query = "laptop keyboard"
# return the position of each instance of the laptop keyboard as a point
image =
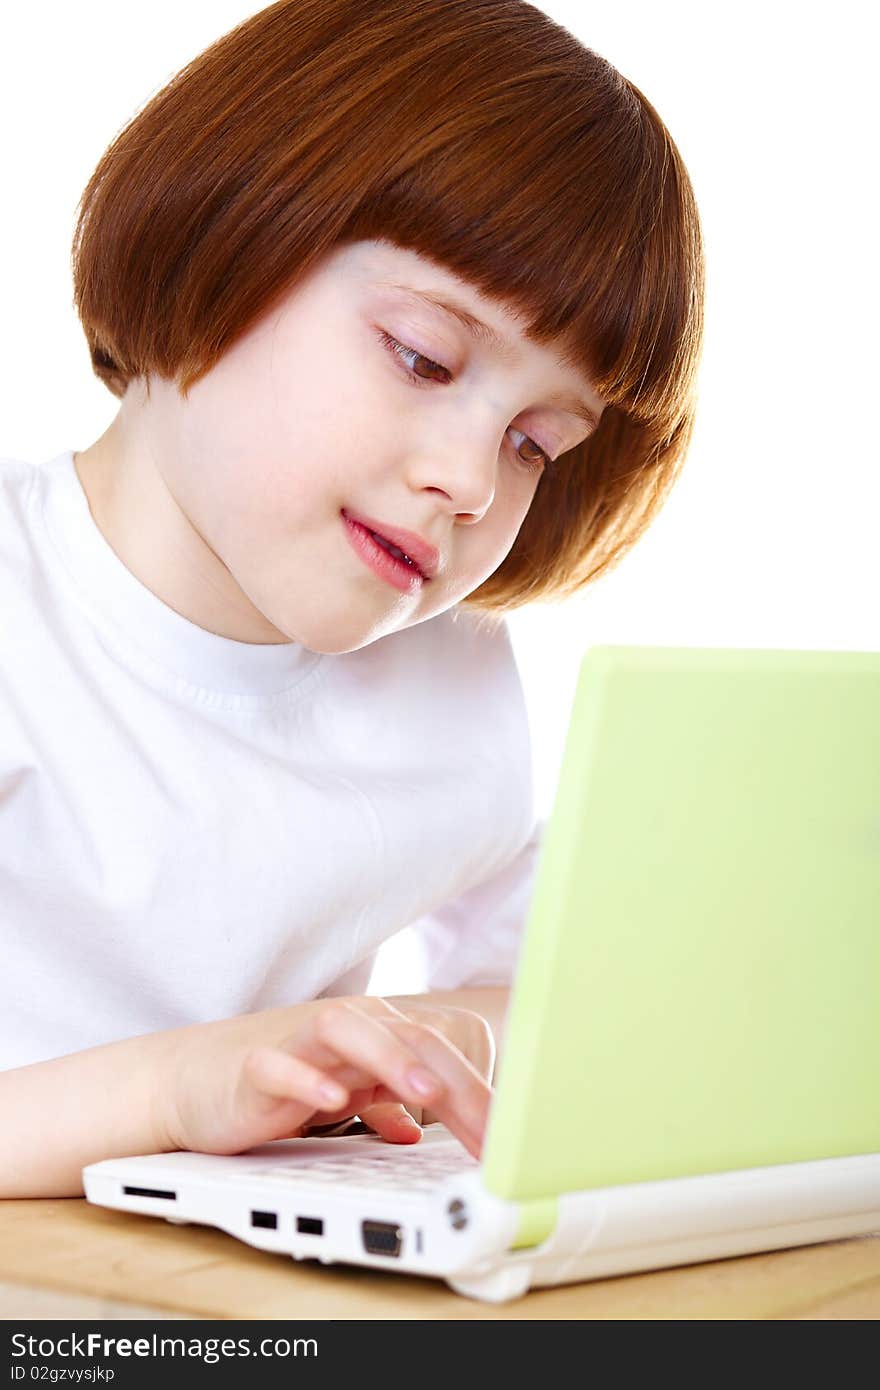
(387, 1167)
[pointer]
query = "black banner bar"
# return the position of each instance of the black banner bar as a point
(127, 1355)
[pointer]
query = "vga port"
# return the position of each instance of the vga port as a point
(381, 1238)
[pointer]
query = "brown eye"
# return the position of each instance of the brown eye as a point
(432, 367)
(409, 356)
(542, 461)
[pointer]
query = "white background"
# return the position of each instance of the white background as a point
(770, 538)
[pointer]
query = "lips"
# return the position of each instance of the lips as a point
(425, 556)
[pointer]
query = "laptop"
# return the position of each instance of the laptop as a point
(691, 1066)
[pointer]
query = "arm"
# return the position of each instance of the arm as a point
(61, 1114)
(229, 1085)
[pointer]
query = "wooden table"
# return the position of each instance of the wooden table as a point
(68, 1259)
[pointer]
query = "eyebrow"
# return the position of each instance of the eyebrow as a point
(482, 333)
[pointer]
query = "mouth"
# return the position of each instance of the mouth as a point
(376, 552)
(404, 546)
(395, 551)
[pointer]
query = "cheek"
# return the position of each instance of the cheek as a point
(511, 523)
(517, 508)
(481, 549)
(323, 441)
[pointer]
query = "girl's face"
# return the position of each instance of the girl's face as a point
(353, 394)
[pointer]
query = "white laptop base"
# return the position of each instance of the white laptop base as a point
(422, 1209)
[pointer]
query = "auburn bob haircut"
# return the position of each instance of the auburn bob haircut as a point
(477, 132)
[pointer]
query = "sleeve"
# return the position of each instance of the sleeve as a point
(475, 939)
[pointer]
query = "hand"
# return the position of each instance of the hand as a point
(467, 1031)
(244, 1081)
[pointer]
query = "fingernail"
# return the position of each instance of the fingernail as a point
(332, 1093)
(422, 1082)
(408, 1122)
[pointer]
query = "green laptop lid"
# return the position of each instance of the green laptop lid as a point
(699, 982)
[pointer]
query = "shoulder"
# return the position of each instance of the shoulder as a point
(17, 476)
(26, 489)
(18, 480)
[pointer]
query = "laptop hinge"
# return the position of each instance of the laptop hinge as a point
(536, 1222)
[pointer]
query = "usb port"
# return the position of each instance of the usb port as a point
(268, 1219)
(310, 1225)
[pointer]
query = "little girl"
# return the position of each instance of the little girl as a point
(403, 304)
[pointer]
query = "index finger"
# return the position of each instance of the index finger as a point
(463, 1103)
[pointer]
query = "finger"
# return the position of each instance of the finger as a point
(276, 1075)
(357, 1103)
(462, 1101)
(465, 1029)
(377, 1095)
(392, 1121)
(463, 1104)
(361, 1050)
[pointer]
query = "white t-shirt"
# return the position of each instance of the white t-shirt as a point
(193, 828)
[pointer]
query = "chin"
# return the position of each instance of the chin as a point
(349, 633)
(330, 640)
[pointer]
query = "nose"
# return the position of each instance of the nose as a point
(463, 467)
